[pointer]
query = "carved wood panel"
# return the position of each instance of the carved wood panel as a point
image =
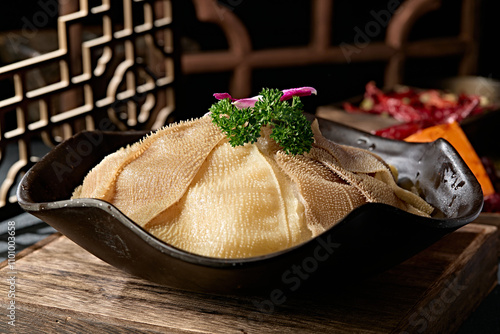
(115, 69)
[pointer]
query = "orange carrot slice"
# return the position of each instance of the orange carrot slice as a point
(454, 134)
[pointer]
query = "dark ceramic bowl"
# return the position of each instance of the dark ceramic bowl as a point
(370, 239)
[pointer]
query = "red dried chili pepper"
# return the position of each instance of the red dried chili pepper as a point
(417, 109)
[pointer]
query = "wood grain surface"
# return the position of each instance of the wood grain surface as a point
(493, 219)
(61, 288)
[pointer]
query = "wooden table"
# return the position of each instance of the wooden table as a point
(61, 288)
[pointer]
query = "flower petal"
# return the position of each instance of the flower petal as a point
(250, 101)
(302, 91)
(246, 103)
(222, 96)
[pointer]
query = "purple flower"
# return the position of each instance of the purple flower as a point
(222, 96)
(250, 101)
(246, 103)
(302, 91)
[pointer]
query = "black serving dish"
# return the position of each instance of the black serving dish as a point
(369, 240)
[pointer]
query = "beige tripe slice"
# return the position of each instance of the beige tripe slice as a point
(240, 204)
(186, 185)
(367, 172)
(326, 198)
(149, 176)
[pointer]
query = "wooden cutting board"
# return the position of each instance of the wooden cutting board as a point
(61, 288)
(492, 219)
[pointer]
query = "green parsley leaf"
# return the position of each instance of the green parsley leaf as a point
(290, 128)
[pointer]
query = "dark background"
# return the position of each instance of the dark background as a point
(282, 23)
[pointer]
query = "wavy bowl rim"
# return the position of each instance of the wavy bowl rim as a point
(39, 207)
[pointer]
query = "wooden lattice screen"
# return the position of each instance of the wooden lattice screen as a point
(398, 19)
(121, 77)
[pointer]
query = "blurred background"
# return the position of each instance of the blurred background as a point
(142, 64)
(138, 65)
(235, 46)
(284, 24)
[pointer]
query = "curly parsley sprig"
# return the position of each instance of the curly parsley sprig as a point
(290, 129)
